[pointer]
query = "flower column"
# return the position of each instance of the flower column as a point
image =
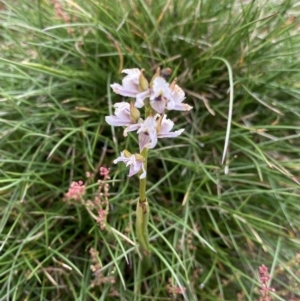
(156, 97)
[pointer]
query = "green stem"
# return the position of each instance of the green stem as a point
(142, 213)
(142, 219)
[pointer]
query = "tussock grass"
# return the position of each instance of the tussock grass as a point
(212, 224)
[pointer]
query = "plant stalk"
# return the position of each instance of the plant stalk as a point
(142, 213)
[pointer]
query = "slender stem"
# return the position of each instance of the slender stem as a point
(142, 217)
(143, 212)
(144, 153)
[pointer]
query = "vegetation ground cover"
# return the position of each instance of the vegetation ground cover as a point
(212, 223)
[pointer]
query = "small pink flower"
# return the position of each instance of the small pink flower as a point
(135, 162)
(76, 191)
(101, 218)
(264, 279)
(104, 172)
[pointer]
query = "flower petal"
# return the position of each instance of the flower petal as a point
(177, 97)
(171, 134)
(140, 97)
(160, 94)
(158, 106)
(131, 128)
(115, 121)
(182, 107)
(166, 127)
(148, 128)
(143, 174)
(144, 139)
(133, 76)
(122, 115)
(122, 158)
(160, 87)
(128, 91)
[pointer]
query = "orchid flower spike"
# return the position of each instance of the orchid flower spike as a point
(162, 95)
(157, 96)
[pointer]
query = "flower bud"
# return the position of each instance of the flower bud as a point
(166, 73)
(173, 84)
(143, 83)
(159, 122)
(157, 74)
(127, 154)
(134, 113)
(139, 157)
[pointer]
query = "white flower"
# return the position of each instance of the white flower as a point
(136, 163)
(153, 128)
(159, 94)
(122, 117)
(130, 83)
(177, 97)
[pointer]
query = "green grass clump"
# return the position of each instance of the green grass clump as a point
(212, 224)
